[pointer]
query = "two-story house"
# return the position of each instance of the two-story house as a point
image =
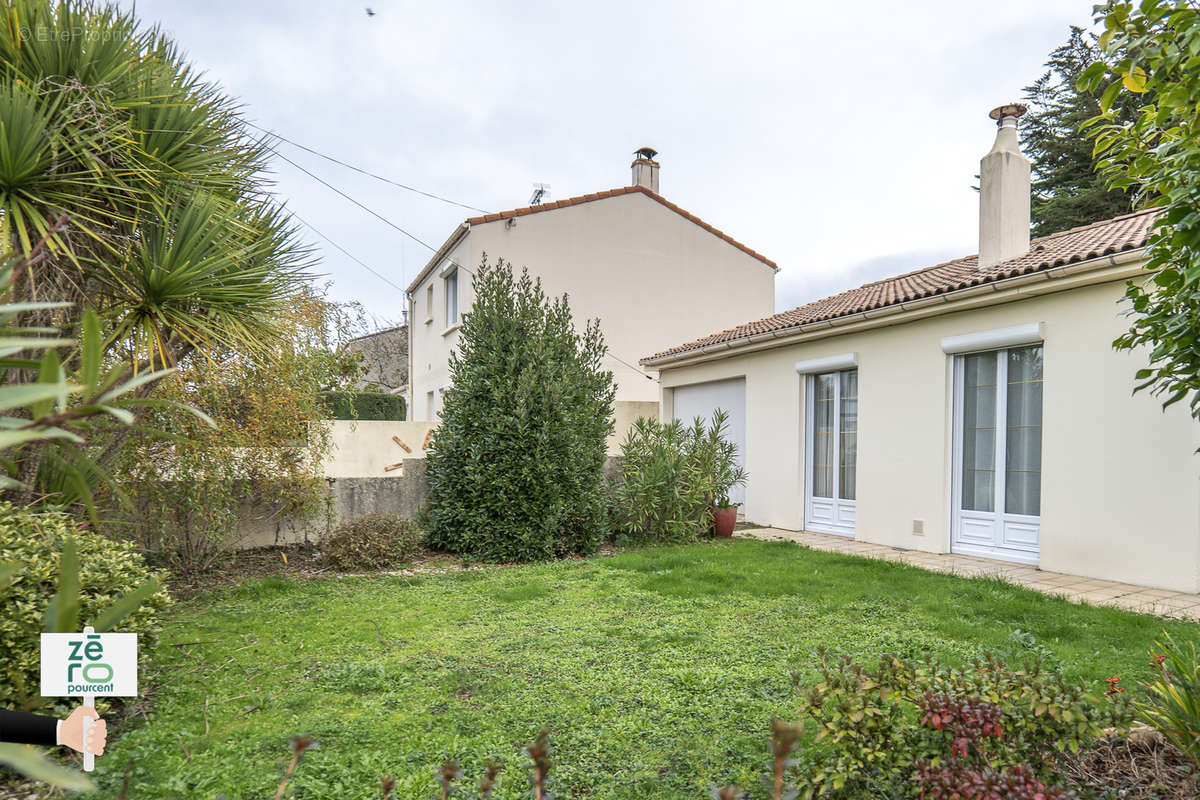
(652, 273)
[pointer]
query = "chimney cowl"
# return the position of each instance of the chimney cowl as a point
(1004, 192)
(645, 168)
(1006, 112)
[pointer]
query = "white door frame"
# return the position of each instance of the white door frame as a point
(990, 534)
(826, 514)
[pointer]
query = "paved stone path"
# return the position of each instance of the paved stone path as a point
(1073, 587)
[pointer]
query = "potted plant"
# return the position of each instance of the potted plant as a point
(725, 516)
(720, 458)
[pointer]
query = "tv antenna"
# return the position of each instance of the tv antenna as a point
(541, 191)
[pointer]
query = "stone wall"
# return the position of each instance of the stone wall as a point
(351, 497)
(379, 465)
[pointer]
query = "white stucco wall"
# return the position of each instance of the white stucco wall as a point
(364, 448)
(1120, 481)
(653, 278)
(430, 338)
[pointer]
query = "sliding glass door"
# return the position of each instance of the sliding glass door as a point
(832, 452)
(998, 453)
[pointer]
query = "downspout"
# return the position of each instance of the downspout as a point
(412, 309)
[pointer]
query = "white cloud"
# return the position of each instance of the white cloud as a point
(839, 140)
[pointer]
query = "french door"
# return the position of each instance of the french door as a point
(832, 459)
(998, 454)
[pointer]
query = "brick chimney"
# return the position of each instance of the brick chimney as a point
(1004, 193)
(645, 168)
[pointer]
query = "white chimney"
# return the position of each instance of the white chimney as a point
(645, 168)
(1004, 193)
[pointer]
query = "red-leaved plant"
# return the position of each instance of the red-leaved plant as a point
(954, 780)
(971, 723)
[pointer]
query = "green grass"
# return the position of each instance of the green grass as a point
(658, 670)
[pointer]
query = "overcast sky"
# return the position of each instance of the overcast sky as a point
(839, 139)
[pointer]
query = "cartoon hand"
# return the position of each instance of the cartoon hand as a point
(72, 731)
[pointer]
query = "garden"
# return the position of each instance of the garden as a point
(657, 671)
(550, 624)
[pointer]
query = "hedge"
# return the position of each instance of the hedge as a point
(108, 569)
(364, 405)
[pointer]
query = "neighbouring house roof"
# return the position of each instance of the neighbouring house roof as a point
(384, 358)
(379, 332)
(576, 201)
(1128, 232)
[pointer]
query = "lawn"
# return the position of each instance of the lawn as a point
(658, 670)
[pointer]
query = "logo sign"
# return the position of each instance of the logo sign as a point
(92, 664)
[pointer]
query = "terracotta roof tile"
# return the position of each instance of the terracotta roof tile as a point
(588, 198)
(1127, 232)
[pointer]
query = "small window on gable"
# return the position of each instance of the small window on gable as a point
(451, 280)
(429, 303)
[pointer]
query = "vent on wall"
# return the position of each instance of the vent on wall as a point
(918, 527)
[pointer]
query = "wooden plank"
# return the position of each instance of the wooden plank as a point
(390, 467)
(400, 442)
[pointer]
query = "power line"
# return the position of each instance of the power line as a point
(638, 370)
(370, 211)
(366, 208)
(388, 222)
(362, 171)
(345, 252)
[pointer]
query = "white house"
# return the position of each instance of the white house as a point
(975, 406)
(620, 255)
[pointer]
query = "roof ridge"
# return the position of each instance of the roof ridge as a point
(1046, 252)
(1032, 246)
(521, 211)
(1098, 222)
(624, 190)
(917, 271)
(401, 326)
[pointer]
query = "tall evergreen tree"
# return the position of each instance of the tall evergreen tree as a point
(516, 468)
(1067, 190)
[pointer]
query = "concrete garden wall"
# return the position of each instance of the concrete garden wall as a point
(368, 470)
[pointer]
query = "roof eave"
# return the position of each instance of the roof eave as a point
(451, 242)
(897, 310)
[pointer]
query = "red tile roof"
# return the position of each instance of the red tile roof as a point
(1127, 232)
(588, 198)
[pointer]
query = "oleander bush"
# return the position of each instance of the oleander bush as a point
(372, 541)
(672, 475)
(108, 569)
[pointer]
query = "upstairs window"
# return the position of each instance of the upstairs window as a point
(451, 280)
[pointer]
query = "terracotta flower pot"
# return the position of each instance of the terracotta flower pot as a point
(724, 519)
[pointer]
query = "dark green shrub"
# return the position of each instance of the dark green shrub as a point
(516, 468)
(874, 726)
(364, 405)
(373, 541)
(107, 570)
(671, 477)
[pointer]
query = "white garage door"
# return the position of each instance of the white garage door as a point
(701, 399)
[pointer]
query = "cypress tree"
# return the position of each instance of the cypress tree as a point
(1067, 190)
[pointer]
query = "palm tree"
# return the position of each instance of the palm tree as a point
(147, 187)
